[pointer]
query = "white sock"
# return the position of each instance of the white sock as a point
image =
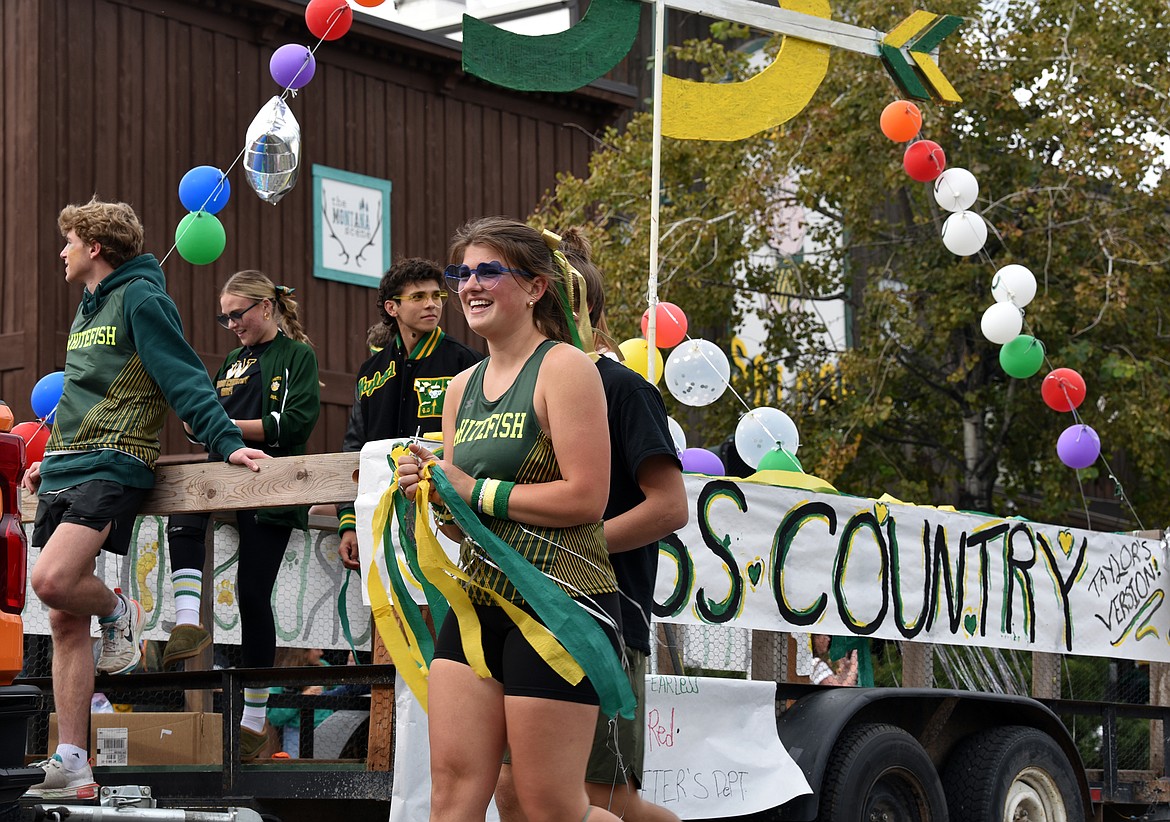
(187, 584)
(255, 709)
(73, 757)
(115, 614)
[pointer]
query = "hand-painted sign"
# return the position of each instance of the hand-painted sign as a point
(765, 557)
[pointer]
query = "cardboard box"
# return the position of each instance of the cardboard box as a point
(152, 738)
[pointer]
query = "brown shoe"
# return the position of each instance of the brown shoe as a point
(186, 641)
(254, 745)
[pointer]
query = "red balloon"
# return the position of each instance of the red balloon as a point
(1063, 389)
(670, 325)
(924, 160)
(35, 435)
(328, 19)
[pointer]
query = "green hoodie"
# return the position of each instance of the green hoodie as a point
(126, 361)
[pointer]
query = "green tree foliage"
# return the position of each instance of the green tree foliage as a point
(1063, 107)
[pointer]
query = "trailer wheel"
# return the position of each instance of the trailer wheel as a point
(880, 772)
(1011, 773)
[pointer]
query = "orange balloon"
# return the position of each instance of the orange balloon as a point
(6, 418)
(901, 121)
(369, 4)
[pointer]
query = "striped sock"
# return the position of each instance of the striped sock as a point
(255, 708)
(187, 584)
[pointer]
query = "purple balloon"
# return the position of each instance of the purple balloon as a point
(702, 461)
(1078, 446)
(292, 66)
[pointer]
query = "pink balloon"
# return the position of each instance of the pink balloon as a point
(670, 325)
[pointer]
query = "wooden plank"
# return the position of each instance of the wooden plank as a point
(217, 486)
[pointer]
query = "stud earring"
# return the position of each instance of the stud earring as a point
(266, 315)
(531, 303)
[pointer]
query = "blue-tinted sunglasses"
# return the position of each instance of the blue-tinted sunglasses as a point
(486, 274)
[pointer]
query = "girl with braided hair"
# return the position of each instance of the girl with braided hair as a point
(269, 387)
(524, 444)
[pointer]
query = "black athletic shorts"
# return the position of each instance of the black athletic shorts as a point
(94, 504)
(514, 663)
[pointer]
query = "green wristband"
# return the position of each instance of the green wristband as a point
(500, 502)
(476, 494)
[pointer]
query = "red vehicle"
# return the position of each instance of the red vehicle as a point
(18, 703)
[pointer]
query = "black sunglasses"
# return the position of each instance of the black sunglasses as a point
(224, 319)
(486, 274)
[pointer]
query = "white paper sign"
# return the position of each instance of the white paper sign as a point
(712, 749)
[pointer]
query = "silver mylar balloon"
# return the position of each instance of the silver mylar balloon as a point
(272, 159)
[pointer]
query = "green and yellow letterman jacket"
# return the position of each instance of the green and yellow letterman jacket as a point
(127, 360)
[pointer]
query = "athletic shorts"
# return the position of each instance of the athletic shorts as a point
(94, 504)
(619, 744)
(513, 662)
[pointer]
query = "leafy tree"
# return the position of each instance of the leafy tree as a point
(1063, 115)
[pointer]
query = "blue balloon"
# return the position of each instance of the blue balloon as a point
(46, 394)
(204, 188)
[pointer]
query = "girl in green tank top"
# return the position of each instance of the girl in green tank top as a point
(526, 444)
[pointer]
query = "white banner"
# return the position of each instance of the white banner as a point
(782, 559)
(758, 556)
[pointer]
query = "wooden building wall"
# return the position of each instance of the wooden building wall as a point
(119, 98)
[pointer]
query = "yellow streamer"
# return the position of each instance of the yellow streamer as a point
(443, 574)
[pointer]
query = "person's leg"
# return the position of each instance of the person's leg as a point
(466, 716)
(262, 550)
(507, 803)
(615, 763)
(186, 537)
(63, 579)
(548, 769)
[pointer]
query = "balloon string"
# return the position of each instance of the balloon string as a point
(284, 95)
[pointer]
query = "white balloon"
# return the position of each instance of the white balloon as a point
(964, 233)
(677, 434)
(1002, 323)
(1013, 283)
(697, 372)
(956, 189)
(762, 429)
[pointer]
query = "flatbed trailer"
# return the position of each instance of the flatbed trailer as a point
(912, 752)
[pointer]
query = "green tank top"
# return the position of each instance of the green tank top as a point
(502, 439)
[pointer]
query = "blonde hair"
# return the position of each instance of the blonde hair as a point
(255, 285)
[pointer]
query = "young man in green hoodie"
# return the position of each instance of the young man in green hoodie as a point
(126, 360)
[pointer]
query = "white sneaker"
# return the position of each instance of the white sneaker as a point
(120, 640)
(62, 784)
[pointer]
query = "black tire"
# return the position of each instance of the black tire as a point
(880, 772)
(1011, 772)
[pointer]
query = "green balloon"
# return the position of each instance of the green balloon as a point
(200, 238)
(1022, 357)
(780, 460)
